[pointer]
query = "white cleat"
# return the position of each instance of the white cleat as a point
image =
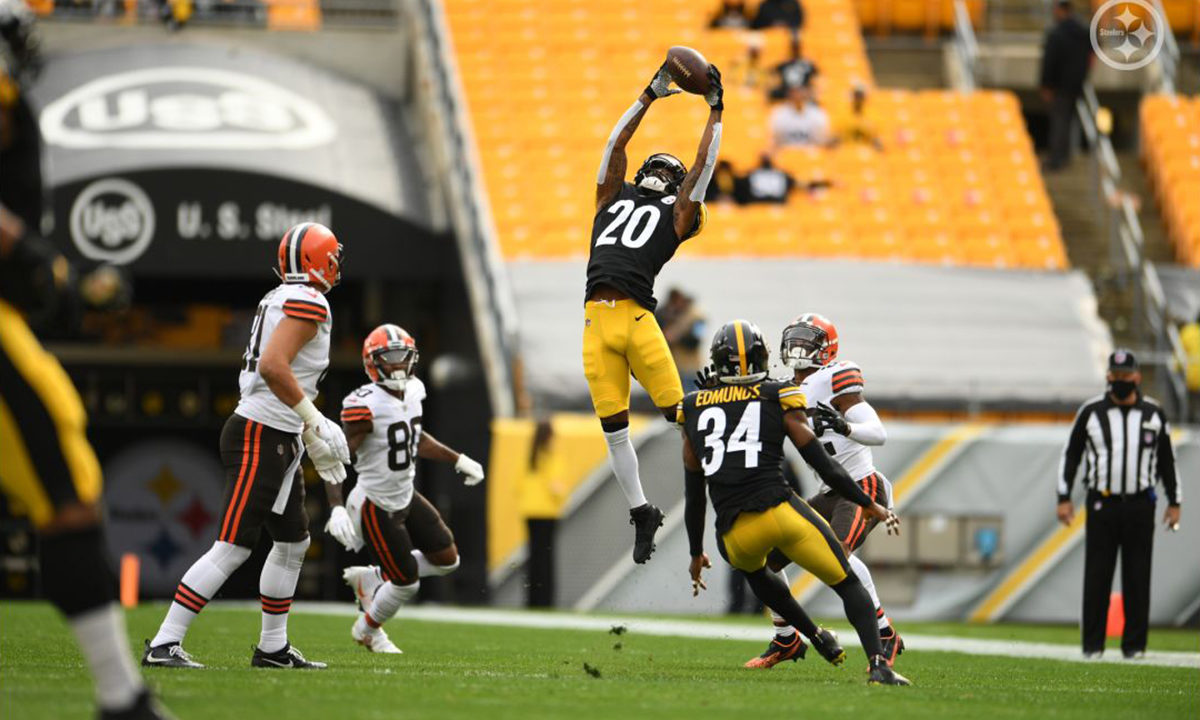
(364, 580)
(373, 639)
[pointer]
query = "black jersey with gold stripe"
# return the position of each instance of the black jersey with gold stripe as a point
(632, 238)
(737, 433)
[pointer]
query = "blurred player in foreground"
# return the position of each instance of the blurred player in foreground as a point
(51, 473)
(847, 426)
(286, 355)
(405, 534)
(733, 434)
(636, 230)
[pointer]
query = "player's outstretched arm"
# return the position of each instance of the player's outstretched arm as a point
(695, 506)
(614, 161)
(430, 448)
(695, 183)
(834, 475)
(861, 423)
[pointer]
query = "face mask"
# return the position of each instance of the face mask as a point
(1121, 389)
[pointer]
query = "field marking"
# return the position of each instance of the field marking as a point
(919, 474)
(1021, 579)
(720, 631)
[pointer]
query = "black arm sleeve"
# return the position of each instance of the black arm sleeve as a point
(695, 505)
(1166, 467)
(1072, 454)
(834, 475)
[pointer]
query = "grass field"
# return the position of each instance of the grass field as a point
(453, 670)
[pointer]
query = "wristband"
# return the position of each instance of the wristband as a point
(307, 412)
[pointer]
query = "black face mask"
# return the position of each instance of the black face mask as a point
(1121, 389)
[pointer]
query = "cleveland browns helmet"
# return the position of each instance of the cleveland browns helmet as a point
(661, 174)
(310, 254)
(390, 346)
(739, 353)
(811, 341)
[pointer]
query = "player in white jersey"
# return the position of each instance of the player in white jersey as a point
(403, 532)
(261, 450)
(847, 426)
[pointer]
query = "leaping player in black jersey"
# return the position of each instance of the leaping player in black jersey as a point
(636, 230)
(733, 435)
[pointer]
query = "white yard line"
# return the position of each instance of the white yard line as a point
(724, 631)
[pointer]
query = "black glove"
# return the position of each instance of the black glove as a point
(826, 418)
(658, 87)
(706, 378)
(715, 97)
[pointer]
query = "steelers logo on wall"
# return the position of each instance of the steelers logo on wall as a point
(163, 502)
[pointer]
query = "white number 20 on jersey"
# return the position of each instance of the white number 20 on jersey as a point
(634, 226)
(744, 438)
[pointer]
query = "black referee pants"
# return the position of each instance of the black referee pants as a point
(1124, 524)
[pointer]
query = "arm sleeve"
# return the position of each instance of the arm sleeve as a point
(710, 161)
(631, 113)
(1072, 454)
(834, 475)
(1166, 467)
(865, 425)
(695, 505)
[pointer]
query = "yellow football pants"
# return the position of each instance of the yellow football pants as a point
(46, 461)
(620, 336)
(796, 530)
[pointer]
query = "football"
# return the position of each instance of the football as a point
(688, 69)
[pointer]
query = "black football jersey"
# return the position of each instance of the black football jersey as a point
(737, 433)
(632, 238)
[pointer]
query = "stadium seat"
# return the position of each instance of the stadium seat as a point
(1170, 142)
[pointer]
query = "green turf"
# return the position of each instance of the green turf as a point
(452, 671)
(1171, 639)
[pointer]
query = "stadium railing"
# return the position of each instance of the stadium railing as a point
(441, 101)
(1157, 331)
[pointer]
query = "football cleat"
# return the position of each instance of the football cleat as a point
(893, 644)
(373, 639)
(170, 655)
(883, 674)
(364, 580)
(779, 650)
(646, 520)
(146, 707)
(825, 642)
(286, 657)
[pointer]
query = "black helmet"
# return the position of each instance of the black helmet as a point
(739, 353)
(661, 174)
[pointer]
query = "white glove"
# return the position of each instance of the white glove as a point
(324, 441)
(471, 471)
(341, 527)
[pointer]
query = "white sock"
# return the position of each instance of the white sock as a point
(624, 462)
(425, 568)
(199, 584)
(277, 586)
(864, 576)
(388, 600)
(782, 629)
(101, 636)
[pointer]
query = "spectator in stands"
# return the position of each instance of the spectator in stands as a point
(767, 183)
(724, 185)
(682, 324)
(799, 122)
(542, 496)
(860, 124)
(795, 72)
(1189, 337)
(1065, 61)
(778, 13)
(730, 16)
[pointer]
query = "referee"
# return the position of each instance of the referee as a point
(1125, 441)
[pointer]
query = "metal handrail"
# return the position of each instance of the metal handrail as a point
(493, 308)
(1168, 59)
(1127, 250)
(966, 46)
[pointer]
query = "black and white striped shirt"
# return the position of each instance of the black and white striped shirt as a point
(1125, 450)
